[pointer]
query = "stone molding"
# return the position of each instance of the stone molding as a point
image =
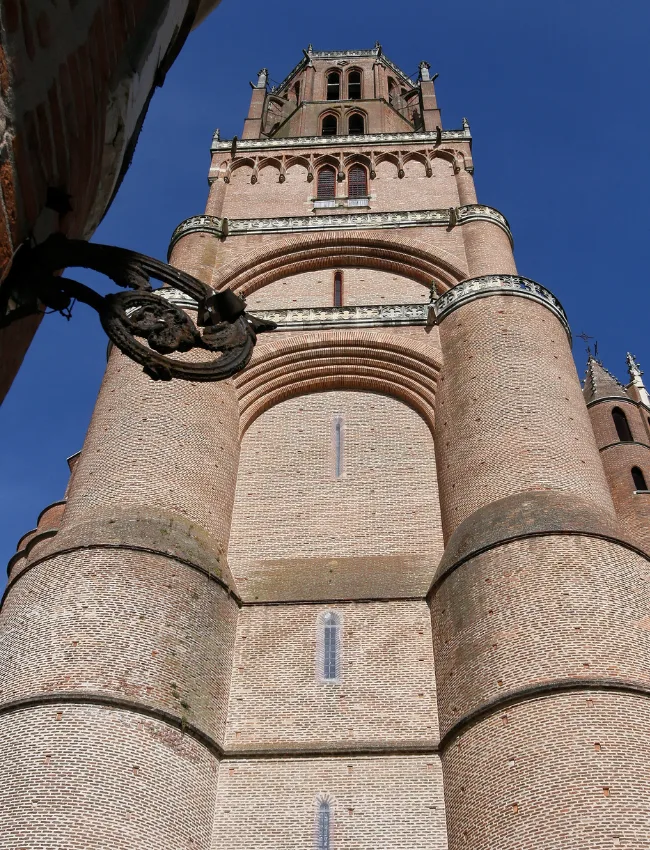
(320, 318)
(381, 315)
(499, 284)
(429, 137)
(450, 217)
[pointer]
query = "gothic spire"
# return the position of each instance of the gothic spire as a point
(636, 378)
(600, 383)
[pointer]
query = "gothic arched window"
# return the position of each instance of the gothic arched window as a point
(323, 826)
(329, 126)
(326, 185)
(354, 85)
(338, 289)
(622, 425)
(333, 85)
(639, 479)
(356, 125)
(331, 646)
(357, 182)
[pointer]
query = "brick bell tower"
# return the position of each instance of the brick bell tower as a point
(373, 592)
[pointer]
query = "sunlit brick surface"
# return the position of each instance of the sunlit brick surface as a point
(509, 414)
(125, 624)
(566, 772)
(89, 778)
(360, 287)
(374, 531)
(385, 696)
(375, 802)
(540, 610)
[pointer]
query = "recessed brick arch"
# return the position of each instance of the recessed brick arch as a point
(321, 362)
(351, 248)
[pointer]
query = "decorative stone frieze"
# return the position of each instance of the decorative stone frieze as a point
(430, 138)
(498, 284)
(314, 318)
(381, 315)
(362, 221)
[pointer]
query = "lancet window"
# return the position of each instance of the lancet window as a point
(329, 125)
(356, 124)
(357, 182)
(622, 425)
(326, 185)
(338, 289)
(323, 826)
(639, 479)
(331, 647)
(354, 85)
(333, 85)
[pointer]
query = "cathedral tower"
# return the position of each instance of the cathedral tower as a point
(372, 592)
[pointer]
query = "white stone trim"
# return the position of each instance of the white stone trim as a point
(362, 221)
(498, 284)
(428, 138)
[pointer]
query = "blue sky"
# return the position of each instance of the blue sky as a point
(556, 95)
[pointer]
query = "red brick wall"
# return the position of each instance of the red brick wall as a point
(375, 802)
(510, 415)
(618, 459)
(384, 696)
(375, 531)
(87, 777)
(360, 287)
(268, 197)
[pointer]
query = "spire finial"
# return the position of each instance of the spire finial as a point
(636, 377)
(262, 77)
(585, 338)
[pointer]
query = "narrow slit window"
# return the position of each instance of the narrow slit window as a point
(356, 125)
(357, 182)
(354, 85)
(326, 186)
(331, 635)
(333, 86)
(329, 126)
(622, 425)
(323, 826)
(639, 479)
(296, 91)
(338, 446)
(338, 289)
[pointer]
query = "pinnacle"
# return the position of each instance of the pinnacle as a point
(600, 383)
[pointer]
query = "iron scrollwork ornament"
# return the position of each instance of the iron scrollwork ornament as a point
(139, 313)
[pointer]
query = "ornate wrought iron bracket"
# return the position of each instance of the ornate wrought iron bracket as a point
(139, 313)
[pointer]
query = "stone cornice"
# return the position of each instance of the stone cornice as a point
(498, 284)
(317, 318)
(363, 221)
(427, 138)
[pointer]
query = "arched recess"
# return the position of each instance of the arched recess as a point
(338, 527)
(316, 362)
(294, 255)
